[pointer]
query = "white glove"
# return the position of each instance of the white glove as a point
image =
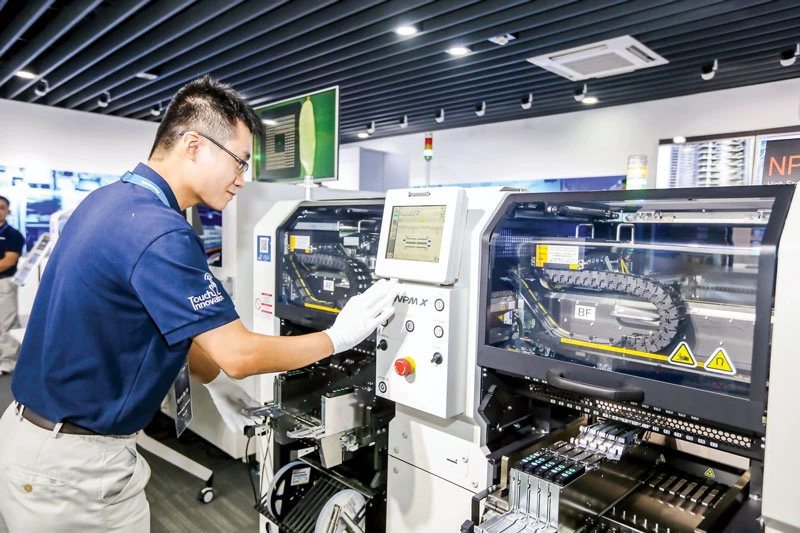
(362, 314)
(230, 399)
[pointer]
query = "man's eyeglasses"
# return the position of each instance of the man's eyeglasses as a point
(243, 165)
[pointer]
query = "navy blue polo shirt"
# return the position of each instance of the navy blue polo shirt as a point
(124, 292)
(10, 241)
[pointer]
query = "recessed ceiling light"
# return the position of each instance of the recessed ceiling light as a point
(590, 100)
(458, 51)
(363, 135)
(680, 139)
(405, 31)
(504, 39)
(149, 76)
(25, 74)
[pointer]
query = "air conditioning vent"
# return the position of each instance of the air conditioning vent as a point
(598, 60)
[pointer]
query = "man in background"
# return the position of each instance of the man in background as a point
(11, 243)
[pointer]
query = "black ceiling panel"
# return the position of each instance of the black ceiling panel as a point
(271, 50)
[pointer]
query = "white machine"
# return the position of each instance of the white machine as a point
(420, 362)
(326, 432)
(426, 360)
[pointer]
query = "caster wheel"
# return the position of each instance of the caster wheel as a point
(206, 495)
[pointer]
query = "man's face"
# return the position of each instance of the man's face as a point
(219, 179)
(4, 211)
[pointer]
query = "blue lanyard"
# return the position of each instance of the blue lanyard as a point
(136, 179)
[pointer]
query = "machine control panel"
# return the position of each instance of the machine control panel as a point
(419, 363)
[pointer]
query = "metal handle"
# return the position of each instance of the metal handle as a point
(622, 394)
(629, 226)
(578, 230)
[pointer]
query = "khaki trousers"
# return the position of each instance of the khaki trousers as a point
(51, 481)
(9, 347)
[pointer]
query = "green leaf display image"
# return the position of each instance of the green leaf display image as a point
(300, 138)
(308, 137)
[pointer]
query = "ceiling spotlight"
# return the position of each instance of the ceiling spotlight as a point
(363, 135)
(480, 109)
(680, 139)
(788, 57)
(149, 76)
(527, 101)
(589, 100)
(707, 72)
(439, 116)
(404, 122)
(371, 127)
(458, 51)
(406, 31)
(156, 110)
(580, 94)
(41, 88)
(103, 99)
(504, 39)
(25, 74)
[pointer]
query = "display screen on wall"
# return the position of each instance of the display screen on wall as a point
(301, 138)
(36, 193)
(777, 158)
(718, 162)
(211, 221)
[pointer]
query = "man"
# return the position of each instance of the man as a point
(127, 294)
(11, 243)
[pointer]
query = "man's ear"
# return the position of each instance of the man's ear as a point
(189, 145)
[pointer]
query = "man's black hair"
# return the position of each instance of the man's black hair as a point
(4, 199)
(207, 106)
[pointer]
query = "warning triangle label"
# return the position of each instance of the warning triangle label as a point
(720, 362)
(682, 356)
(662, 459)
(710, 473)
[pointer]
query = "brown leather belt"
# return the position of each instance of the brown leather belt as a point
(66, 427)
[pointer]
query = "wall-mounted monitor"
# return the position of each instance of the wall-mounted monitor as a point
(744, 158)
(301, 138)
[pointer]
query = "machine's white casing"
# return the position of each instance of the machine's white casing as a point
(422, 330)
(437, 465)
(424, 502)
(262, 290)
(445, 271)
(780, 510)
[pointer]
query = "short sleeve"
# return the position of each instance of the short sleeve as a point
(16, 242)
(173, 282)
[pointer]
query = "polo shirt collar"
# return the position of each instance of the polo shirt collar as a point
(147, 172)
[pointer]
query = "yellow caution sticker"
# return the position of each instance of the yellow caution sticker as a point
(303, 242)
(710, 473)
(682, 356)
(541, 255)
(507, 317)
(558, 255)
(662, 459)
(721, 363)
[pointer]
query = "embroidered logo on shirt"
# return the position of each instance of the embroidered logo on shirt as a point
(210, 297)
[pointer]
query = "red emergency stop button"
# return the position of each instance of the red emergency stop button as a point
(404, 366)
